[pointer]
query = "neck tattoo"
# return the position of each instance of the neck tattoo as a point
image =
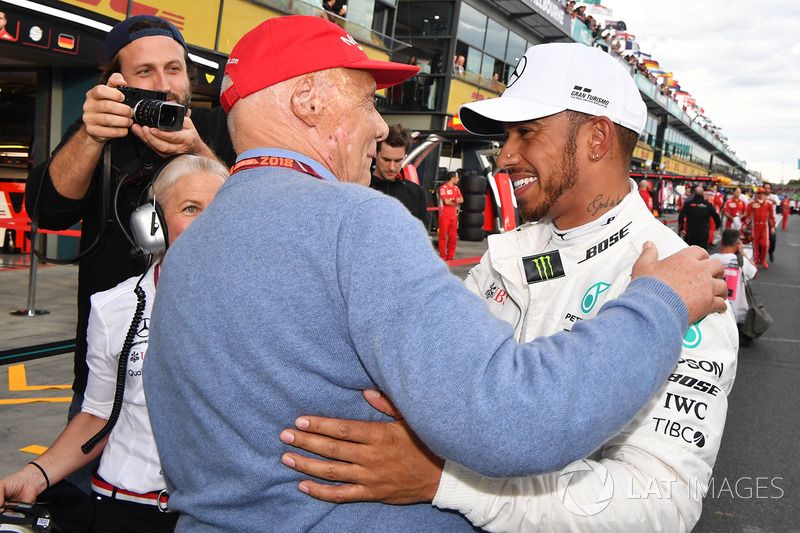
(602, 203)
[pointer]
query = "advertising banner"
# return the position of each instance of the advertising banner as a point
(196, 20)
(553, 11)
(25, 32)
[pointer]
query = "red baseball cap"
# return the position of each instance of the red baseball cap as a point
(281, 48)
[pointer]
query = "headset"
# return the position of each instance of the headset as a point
(148, 229)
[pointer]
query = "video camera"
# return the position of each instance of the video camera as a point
(150, 108)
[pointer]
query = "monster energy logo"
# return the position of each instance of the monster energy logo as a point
(543, 267)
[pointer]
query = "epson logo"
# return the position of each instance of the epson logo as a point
(711, 367)
(675, 402)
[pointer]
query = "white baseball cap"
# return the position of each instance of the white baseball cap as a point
(551, 78)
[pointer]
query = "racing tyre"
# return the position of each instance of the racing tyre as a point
(474, 203)
(471, 220)
(467, 233)
(472, 184)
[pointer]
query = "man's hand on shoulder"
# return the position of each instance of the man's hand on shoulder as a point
(697, 279)
(374, 461)
(105, 117)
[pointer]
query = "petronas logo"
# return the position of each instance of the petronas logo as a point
(592, 296)
(543, 267)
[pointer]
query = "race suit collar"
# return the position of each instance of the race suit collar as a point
(589, 229)
(277, 152)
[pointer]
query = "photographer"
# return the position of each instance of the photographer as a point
(144, 52)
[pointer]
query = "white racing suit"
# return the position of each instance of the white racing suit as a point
(653, 474)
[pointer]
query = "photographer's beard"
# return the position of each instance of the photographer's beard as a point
(183, 99)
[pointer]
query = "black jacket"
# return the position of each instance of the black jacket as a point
(112, 261)
(409, 193)
(694, 217)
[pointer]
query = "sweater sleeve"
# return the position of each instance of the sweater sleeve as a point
(463, 383)
(651, 476)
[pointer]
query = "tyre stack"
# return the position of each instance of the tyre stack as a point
(470, 220)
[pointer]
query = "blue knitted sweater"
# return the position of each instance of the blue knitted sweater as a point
(291, 294)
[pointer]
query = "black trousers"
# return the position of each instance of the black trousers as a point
(117, 516)
(773, 238)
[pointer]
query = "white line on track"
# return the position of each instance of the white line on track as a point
(776, 339)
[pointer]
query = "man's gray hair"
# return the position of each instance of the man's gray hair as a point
(181, 166)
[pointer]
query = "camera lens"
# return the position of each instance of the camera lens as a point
(171, 117)
(146, 112)
(166, 116)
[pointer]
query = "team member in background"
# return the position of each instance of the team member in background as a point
(774, 202)
(449, 199)
(734, 209)
(388, 177)
(586, 226)
(786, 210)
(129, 487)
(644, 192)
(738, 269)
(760, 219)
(695, 217)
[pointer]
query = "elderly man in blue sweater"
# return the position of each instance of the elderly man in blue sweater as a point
(289, 295)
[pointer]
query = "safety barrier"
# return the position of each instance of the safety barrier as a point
(18, 221)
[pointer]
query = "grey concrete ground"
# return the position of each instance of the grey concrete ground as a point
(756, 479)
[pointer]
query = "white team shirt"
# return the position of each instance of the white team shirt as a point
(130, 459)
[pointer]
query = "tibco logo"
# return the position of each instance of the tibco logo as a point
(582, 469)
(676, 430)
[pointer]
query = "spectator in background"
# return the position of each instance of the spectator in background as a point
(694, 219)
(387, 176)
(449, 199)
(337, 7)
(738, 269)
(458, 65)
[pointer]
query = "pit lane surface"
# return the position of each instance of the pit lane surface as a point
(760, 445)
